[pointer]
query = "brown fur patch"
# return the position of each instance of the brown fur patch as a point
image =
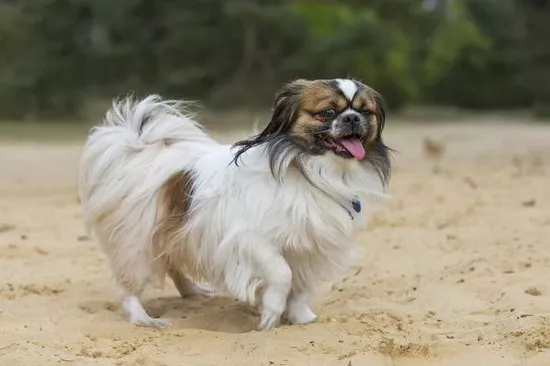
(368, 99)
(316, 96)
(321, 96)
(365, 99)
(373, 132)
(303, 126)
(174, 204)
(176, 194)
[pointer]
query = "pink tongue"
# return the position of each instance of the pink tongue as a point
(355, 147)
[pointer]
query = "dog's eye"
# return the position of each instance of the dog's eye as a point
(326, 114)
(367, 112)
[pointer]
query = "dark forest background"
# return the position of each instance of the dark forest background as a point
(58, 55)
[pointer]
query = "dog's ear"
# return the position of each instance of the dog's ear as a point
(380, 112)
(378, 155)
(285, 111)
(285, 107)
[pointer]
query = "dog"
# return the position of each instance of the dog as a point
(264, 220)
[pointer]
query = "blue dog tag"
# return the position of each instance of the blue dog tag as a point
(356, 205)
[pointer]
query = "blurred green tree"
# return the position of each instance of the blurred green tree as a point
(59, 54)
(535, 49)
(486, 74)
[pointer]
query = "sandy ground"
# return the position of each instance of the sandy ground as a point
(454, 270)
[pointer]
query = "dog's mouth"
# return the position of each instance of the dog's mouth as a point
(347, 147)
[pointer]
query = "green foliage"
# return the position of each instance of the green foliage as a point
(457, 37)
(487, 76)
(535, 78)
(58, 54)
(357, 43)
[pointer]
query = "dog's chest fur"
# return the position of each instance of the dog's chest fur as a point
(239, 209)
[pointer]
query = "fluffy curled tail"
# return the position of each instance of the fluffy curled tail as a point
(152, 119)
(140, 144)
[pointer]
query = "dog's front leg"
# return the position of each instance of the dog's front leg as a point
(277, 280)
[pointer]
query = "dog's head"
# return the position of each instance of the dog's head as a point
(343, 117)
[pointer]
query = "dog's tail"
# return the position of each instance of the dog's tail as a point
(125, 161)
(138, 123)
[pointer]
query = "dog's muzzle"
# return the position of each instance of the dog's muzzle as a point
(350, 124)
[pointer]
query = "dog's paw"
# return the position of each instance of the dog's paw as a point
(300, 313)
(269, 320)
(151, 322)
(304, 316)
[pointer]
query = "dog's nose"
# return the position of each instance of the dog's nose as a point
(351, 118)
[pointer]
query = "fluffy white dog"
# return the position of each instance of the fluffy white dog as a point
(265, 220)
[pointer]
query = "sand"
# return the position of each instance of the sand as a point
(453, 270)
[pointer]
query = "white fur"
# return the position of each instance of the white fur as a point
(245, 231)
(347, 87)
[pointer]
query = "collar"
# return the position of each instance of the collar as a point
(356, 206)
